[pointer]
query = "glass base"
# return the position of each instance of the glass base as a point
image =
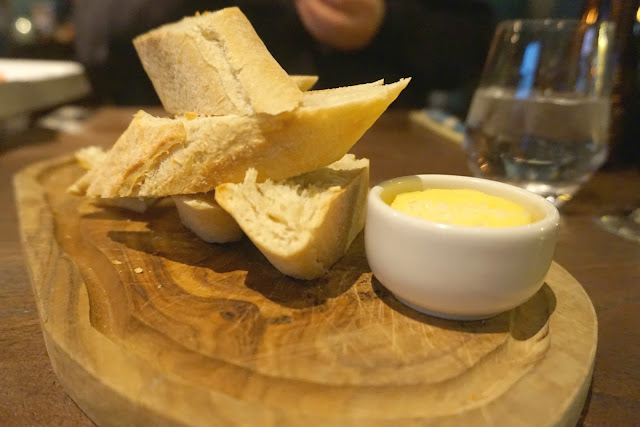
(624, 224)
(556, 194)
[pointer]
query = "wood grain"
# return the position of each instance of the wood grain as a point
(212, 334)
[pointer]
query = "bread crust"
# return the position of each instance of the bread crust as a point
(214, 63)
(158, 157)
(91, 157)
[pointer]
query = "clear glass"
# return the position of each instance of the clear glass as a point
(539, 118)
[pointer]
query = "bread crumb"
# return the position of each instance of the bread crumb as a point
(116, 262)
(138, 270)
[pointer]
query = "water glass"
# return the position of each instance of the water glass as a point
(539, 118)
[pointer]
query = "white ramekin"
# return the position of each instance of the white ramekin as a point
(458, 272)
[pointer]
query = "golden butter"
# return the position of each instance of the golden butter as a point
(462, 207)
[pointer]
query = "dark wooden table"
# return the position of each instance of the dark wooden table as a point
(607, 266)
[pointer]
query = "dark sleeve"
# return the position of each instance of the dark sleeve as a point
(278, 25)
(439, 44)
(103, 43)
(99, 23)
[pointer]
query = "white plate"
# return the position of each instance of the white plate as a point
(33, 85)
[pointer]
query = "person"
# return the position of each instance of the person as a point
(440, 44)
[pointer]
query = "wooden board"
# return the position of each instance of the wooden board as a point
(213, 335)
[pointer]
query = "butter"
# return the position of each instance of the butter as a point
(462, 207)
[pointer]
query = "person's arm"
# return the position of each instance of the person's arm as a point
(441, 41)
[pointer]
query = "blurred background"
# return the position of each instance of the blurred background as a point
(36, 29)
(49, 29)
(456, 102)
(44, 29)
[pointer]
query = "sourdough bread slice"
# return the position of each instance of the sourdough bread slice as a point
(87, 158)
(193, 154)
(214, 63)
(201, 214)
(302, 225)
(92, 156)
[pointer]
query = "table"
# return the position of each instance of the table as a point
(607, 266)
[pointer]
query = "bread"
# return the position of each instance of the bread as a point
(257, 136)
(87, 158)
(161, 156)
(304, 82)
(302, 225)
(201, 214)
(214, 63)
(92, 156)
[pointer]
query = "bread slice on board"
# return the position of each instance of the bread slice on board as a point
(201, 214)
(214, 63)
(91, 157)
(193, 154)
(302, 225)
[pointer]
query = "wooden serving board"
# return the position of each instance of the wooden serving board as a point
(146, 324)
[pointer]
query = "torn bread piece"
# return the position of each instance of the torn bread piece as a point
(160, 156)
(216, 64)
(201, 214)
(302, 225)
(91, 157)
(304, 81)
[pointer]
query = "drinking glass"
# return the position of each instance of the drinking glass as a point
(539, 118)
